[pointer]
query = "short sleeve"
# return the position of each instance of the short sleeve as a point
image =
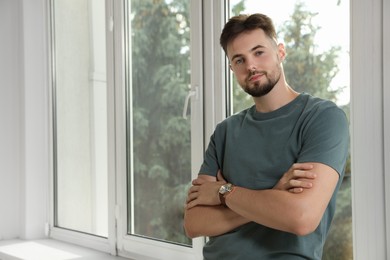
(212, 161)
(326, 139)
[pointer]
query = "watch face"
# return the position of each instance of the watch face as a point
(225, 188)
(222, 190)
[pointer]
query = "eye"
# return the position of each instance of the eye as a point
(258, 53)
(239, 61)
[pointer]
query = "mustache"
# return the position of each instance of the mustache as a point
(254, 72)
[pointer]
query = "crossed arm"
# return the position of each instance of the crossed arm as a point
(296, 204)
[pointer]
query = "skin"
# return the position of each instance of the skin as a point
(298, 201)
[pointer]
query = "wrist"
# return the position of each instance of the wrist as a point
(224, 191)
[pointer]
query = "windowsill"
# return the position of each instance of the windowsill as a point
(49, 249)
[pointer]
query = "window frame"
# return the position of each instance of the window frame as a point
(95, 242)
(369, 122)
(131, 245)
(386, 113)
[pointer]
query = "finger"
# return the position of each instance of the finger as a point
(304, 174)
(220, 176)
(193, 189)
(191, 204)
(300, 184)
(296, 190)
(198, 181)
(192, 196)
(302, 166)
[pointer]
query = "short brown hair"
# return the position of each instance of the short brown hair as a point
(241, 23)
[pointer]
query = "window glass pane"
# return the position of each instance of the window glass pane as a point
(159, 145)
(317, 63)
(80, 137)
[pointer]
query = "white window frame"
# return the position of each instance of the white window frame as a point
(133, 246)
(386, 115)
(214, 66)
(370, 123)
(102, 244)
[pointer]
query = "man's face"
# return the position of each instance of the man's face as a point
(255, 60)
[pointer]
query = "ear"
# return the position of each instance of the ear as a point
(230, 66)
(281, 51)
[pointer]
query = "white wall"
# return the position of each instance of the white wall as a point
(24, 167)
(11, 111)
(35, 178)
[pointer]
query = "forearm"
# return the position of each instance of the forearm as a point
(298, 213)
(211, 221)
(272, 208)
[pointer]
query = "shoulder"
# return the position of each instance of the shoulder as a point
(322, 109)
(233, 120)
(323, 119)
(318, 103)
(325, 133)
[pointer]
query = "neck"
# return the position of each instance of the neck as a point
(280, 95)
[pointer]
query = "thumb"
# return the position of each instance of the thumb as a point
(220, 176)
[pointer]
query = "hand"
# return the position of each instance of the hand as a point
(205, 192)
(297, 178)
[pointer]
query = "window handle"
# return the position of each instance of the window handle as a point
(191, 93)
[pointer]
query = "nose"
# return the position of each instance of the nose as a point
(251, 67)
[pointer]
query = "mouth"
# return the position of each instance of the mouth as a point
(255, 77)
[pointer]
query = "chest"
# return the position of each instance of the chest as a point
(258, 156)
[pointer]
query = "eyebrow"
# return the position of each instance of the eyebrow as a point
(251, 50)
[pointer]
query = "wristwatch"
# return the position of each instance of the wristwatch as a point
(224, 190)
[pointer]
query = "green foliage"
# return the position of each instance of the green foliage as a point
(161, 137)
(305, 69)
(238, 8)
(339, 242)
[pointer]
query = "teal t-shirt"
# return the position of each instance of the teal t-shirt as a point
(254, 150)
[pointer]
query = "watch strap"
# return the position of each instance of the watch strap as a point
(222, 199)
(227, 189)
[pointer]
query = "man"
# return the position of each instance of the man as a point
(268, 183)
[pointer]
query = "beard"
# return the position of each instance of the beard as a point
(258, 90)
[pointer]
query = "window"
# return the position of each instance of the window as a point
(163, 115)
(80, 116)
(78, 62)
(159, 138)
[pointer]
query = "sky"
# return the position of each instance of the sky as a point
(333, 20)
